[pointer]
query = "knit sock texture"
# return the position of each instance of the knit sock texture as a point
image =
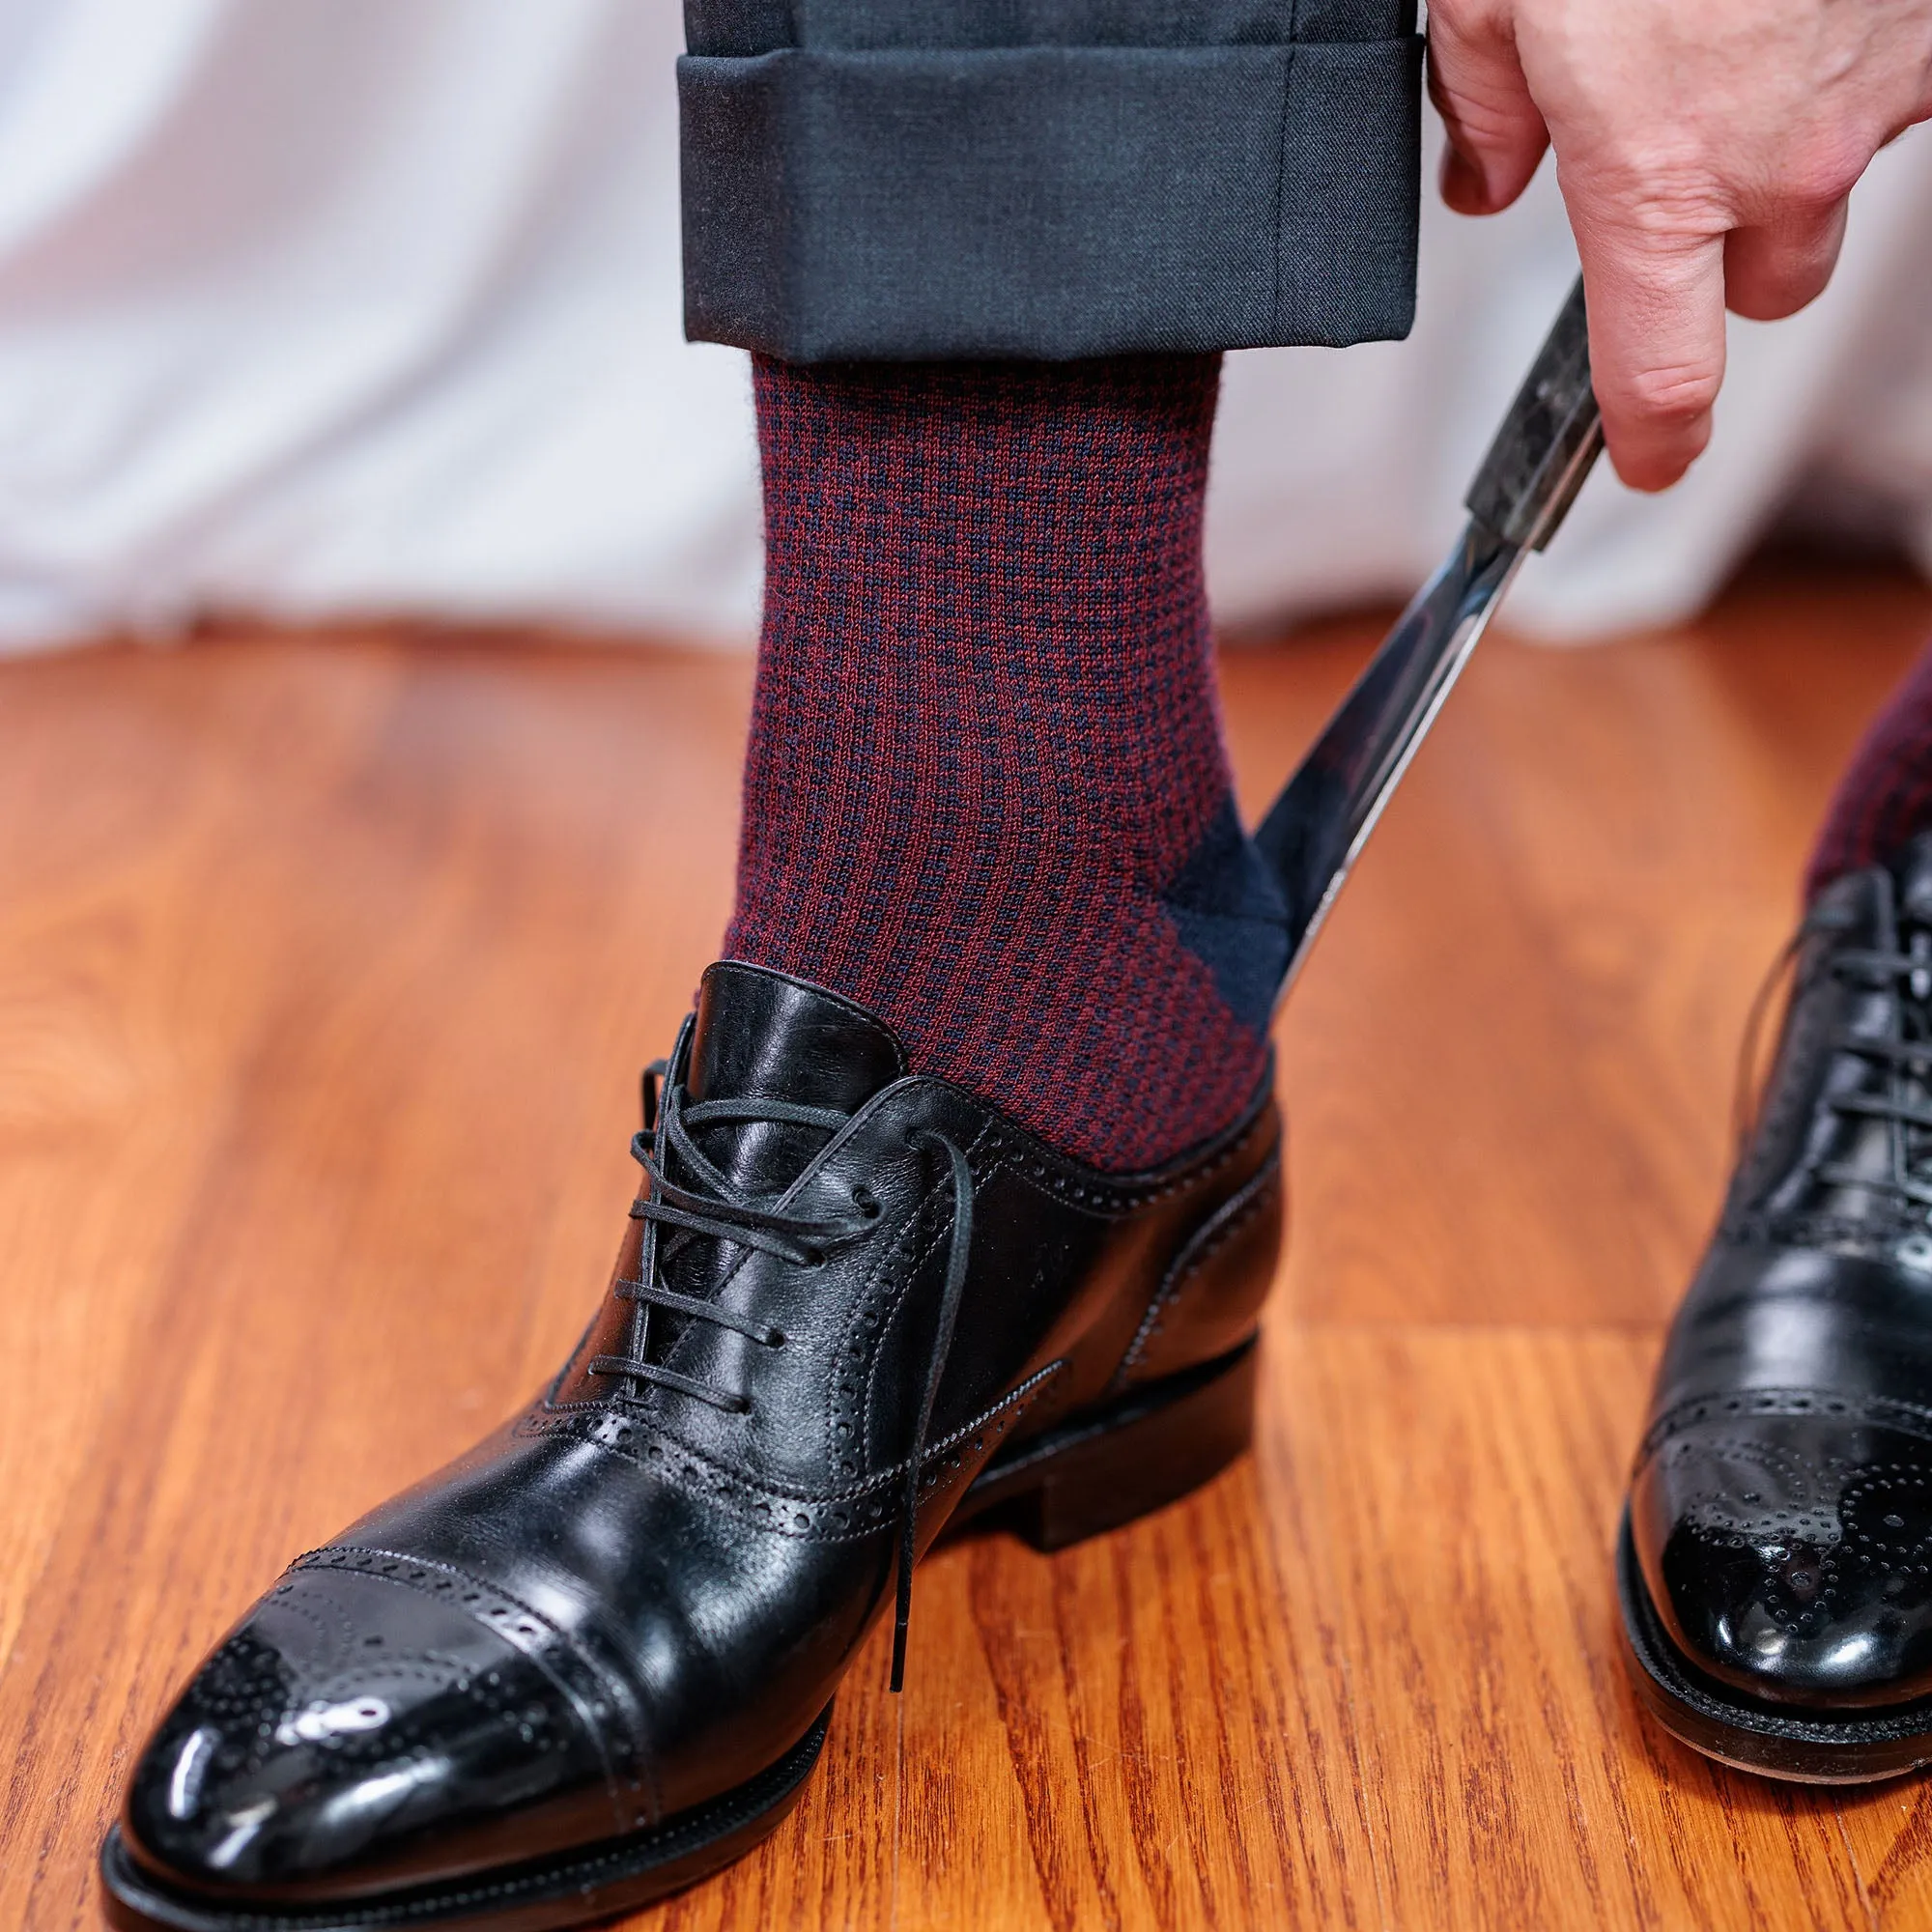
(1885, 797)
(985, 794)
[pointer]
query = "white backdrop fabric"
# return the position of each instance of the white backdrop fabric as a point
(339, 306)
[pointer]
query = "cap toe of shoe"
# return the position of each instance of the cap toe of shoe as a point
(1789, 1556)
(358, 1732)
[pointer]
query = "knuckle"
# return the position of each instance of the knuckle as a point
(1670, 396)
(1490, 121)
(1819, 179)
(1661, 197)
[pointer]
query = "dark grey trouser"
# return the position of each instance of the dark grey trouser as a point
(909, 179)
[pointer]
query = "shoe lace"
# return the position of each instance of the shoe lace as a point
(706, 1203)
(958, 1250)
(1905, 1101)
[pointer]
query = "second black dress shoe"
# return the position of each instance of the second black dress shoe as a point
(594, 1659)
(1776, 1563)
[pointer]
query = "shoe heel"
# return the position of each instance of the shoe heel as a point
(1146, 1449)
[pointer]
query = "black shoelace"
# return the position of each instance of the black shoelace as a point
(1905, 1102)
(1908, 1061)
(958, 1248)
(711, 1206)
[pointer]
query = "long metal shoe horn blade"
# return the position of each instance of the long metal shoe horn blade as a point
(1314, 832)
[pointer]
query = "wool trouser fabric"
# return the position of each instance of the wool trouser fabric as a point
(985, 794)
(1885, 797)
(899, 180)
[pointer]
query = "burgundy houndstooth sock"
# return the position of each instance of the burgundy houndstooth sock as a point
(1885, 796)
(985, 794)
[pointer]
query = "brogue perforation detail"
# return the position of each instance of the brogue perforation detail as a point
(840, 1516)
(1253, 1198)
(1875, 1237)
(1886, 1509)
(605, 1706)
(1082, 1188)
(1876, 1411)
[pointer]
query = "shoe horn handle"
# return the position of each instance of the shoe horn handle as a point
(1547, 440)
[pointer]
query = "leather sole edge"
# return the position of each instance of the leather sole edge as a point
(1810, 1750)
(571, 1888)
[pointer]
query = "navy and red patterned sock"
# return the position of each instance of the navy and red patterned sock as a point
(1884, 798)
(985, 794)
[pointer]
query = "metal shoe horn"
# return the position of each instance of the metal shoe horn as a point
(1315, 831)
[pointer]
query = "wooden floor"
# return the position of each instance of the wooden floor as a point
(327, 965)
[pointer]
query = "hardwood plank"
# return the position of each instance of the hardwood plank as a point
(1112, 1737)
(1889, 1833)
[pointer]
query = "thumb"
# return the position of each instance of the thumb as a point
(1497, 135)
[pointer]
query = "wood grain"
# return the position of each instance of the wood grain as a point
(326, 963)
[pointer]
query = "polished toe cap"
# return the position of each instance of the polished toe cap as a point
(1785, 1541)
(364, 1727)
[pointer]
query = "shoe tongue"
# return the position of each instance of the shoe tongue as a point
(1913, 869)
(761, 1035)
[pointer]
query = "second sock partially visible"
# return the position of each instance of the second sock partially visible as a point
(1885, 795)
(985, 794)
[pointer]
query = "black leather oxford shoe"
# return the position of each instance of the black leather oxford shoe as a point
(594, 1659)
(1775, 1565)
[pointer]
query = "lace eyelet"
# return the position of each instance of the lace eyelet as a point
(867, 1202)
(774, 1338)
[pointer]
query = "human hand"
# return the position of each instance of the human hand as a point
(1705, 149)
